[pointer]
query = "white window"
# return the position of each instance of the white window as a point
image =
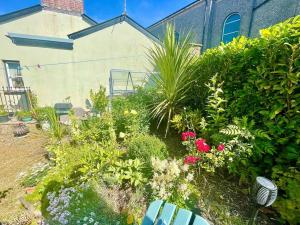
(231, 28)
(13, 74)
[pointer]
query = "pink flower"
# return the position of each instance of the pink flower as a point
(186, 135)
(191, 160)
(202, 146)
(221, 147)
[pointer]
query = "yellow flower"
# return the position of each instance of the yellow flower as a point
(126, 112)
(265, 33)
(209, 155)
(133, 112)
(130, 219)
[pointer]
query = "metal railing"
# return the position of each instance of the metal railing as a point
(15, 99)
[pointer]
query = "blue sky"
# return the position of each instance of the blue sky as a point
(144, 12)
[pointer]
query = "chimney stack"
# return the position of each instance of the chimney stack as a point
(67, 6)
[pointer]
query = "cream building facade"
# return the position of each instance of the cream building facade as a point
(61, 53)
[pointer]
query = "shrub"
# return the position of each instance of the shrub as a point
(146, 146)
(131, 113)
(126, 173)
(94, 130)
(261, 81)
(99, 99)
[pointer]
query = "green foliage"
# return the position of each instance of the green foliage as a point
(2, 111)
(94, 130)
(99, 99)
(40, 113)
(215, 102)
(56, 128)
(144, 147)
(261, 81)
(23, 114)
(288, 180)
(81, 204)
(131, 113)
(126, 172)
(35, 175)
(173, 66)
(33, 100)
(189, 120)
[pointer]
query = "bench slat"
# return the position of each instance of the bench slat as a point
(183, 217)
(200, 221)
(152, 212)
(167, 214)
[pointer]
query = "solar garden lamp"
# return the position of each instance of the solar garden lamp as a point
(264, 194)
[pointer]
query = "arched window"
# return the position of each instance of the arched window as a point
(231, 28)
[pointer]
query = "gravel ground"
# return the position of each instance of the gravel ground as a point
(17, 155)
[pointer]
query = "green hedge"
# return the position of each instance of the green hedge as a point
(261, 80)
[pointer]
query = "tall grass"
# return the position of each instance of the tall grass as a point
(56, 128)
(173, 62)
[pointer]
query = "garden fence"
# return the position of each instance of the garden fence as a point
(14, 99)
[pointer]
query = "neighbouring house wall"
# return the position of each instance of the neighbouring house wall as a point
(255, 15)
(190, 20)
(221, 10)
(117, 47)
(44, 23)
(272, 12)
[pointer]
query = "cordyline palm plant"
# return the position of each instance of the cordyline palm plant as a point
(173, 62)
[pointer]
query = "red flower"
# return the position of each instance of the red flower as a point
(191, 160)
(202, 146)
(186, 135)
(221, 147)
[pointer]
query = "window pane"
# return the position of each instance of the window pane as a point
(233, 17)
(231, 28)
(229, 37)
(14, 78)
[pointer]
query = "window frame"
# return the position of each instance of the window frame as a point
(224, 23)
(9, 79)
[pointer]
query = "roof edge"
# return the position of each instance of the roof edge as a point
(111, 22)
(34, 9)
(175, 13)
(88, 19)
(20, 13)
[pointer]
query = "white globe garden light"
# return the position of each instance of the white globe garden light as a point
(264, 194)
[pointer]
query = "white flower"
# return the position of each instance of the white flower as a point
(121, 135)
(183, 187)
(185, 167)
(190, 177)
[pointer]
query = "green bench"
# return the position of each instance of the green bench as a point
(164, 214)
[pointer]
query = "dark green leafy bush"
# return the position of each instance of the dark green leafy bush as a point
(146, 146)
(261, 81)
